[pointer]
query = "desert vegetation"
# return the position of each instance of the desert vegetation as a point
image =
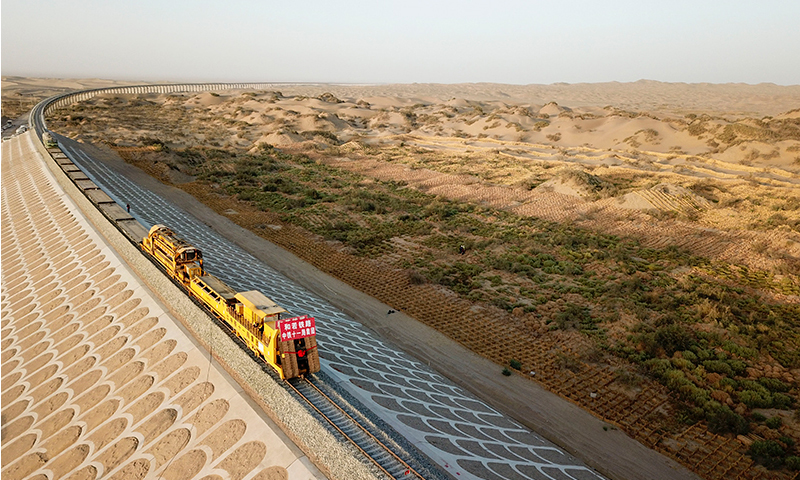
(21, 94)
(651, 258)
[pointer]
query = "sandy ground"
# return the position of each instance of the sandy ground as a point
(597, 443)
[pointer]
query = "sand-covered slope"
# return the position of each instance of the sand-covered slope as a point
(724, 157)
(750, 125)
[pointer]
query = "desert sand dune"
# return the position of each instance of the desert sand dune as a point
(714, 138)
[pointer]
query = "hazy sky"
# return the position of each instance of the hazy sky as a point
(406, 41)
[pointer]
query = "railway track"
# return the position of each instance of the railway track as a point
(357, 431)
(345, 419)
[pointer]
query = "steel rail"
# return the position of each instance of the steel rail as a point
(237, 339)
(408, 468)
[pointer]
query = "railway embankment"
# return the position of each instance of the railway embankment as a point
(107, 366)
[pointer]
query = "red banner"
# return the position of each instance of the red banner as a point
(297, 327)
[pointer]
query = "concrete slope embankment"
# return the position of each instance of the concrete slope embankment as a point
(98, 379)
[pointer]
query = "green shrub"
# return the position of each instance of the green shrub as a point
(773, 384)
(674, 337)
(703, 354)
(722, 419)
(321, 133)
(718, 366)
(416, 278)
(575, 317)
(728, 382)
(689, 355)
(757, 417)
(739, 367)
(658, 367)
(774, 422)
(755, 398)
(246, 195)
(781, 401)
(767, 452)
(792, 462)
(698, 396)
(506, 372)
(747, 384)
(682, 363)
(515, 364)
(739, 350)
(674, 379)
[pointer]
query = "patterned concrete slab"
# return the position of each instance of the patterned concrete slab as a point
(464, 435)
(97, 380)
(98, 196)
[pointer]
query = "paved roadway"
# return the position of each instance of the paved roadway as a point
(97, 380)
(465, 436)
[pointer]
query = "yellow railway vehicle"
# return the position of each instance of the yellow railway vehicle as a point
(49, 141)
(287, 345)
(181, 260)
